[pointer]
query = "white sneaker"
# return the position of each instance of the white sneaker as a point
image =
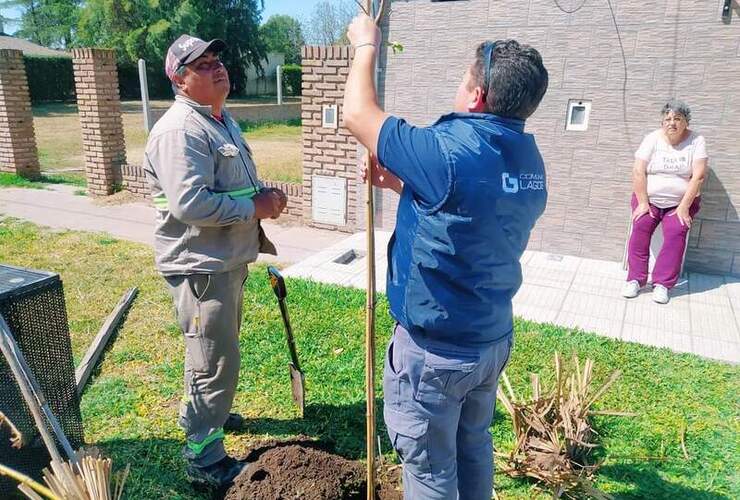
(660, 294)
(631, 289)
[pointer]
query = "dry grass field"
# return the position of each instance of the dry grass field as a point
(277, 146)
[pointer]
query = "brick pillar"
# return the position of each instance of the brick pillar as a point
(99, 105)
(18, 153)
(328, 152)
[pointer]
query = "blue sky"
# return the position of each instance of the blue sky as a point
(296, 8)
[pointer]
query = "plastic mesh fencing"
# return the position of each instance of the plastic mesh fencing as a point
(32, 303)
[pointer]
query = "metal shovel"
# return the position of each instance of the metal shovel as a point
(297, 378)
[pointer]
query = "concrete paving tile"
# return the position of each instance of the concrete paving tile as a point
(596, 284)
(594, 305)
(717, 349)
(668, 317)
(646, 297)
(708, 289)
(712, 322)
(600, 326)
(533, 313)
(554, 261)
(699, 282)
(539, 296)
(322, 275)
(732, 287)
(602, 268)
(656, 337)
(526, 256)
(547, 277)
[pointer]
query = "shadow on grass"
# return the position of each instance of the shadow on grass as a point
(340, 426)
(158, 469)
(55, 109)
(647, 483)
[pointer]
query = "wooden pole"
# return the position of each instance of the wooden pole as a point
(95, 351)
(370, 306)
(370, 324)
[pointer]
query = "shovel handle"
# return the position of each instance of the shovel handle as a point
(289, 333)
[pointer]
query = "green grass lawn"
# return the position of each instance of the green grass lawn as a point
(277, 146)
(12, 180)
(130, 408)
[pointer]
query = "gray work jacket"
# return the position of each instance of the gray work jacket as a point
(202, 178)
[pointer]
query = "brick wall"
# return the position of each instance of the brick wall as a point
(18, 153)
(294, 211)
(327, 151)
(133, 179)
(99, 105)
(672, 48)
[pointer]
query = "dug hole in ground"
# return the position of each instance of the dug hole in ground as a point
(306, 469)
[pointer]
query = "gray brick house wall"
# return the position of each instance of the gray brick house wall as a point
(676, 48)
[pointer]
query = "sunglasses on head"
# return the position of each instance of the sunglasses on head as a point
(488, 57)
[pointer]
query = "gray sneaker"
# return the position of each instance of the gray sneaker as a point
(660, 294)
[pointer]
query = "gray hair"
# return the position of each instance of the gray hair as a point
(179, 72)
(677, 106)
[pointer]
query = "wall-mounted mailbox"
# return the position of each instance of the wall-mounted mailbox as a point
(578, 114)
(329, 117)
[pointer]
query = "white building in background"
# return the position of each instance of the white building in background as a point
(267, 84)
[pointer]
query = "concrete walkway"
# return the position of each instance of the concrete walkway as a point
(702, 316)
(58, 207)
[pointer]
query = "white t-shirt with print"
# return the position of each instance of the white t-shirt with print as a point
(669, 167)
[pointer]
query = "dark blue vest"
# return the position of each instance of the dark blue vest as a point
(454, 268)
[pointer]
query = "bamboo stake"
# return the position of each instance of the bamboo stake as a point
(370, 307)
(26, 481)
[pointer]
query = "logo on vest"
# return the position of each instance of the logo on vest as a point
(525, 182)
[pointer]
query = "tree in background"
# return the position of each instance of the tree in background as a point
(51, 23)
(146, 28)
(283, 34)
(328, 22)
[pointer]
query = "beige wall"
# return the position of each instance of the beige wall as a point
(676, 48)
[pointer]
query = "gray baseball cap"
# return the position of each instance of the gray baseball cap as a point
(187, 49)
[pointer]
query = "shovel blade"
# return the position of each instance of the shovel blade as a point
(296, 383)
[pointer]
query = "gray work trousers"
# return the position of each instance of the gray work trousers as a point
(438, 406)
(209, 312)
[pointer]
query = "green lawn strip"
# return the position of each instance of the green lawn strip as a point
(13, 180)
(284, 129)
(130, 407)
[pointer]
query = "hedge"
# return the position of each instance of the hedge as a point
(50, 78)
(292, 79)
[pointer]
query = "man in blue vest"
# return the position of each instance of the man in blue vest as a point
(472, 186)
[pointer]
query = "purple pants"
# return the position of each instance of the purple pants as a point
(668, 262)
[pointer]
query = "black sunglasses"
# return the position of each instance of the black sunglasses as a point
(488, 56)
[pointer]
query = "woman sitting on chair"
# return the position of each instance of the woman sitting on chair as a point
(669, 168)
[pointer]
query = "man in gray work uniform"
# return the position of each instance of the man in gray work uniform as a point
(209, 205)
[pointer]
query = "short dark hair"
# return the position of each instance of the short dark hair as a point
(517, 80)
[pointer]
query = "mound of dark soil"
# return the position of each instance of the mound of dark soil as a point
(304, 469)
